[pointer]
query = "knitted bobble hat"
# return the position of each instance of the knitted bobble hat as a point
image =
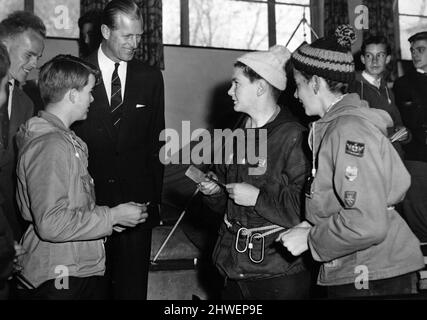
(270, 64)
(329, 57)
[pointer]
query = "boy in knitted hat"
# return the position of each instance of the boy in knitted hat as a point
(257, 206)
(353, 229)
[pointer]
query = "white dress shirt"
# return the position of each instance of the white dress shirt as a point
(9, 102)
(372, 80)
(106, 65)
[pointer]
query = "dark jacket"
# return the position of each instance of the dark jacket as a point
(278, 203)
(7, 251)
(127, 167)
(22, 110)
(411, 99)
(379, 98)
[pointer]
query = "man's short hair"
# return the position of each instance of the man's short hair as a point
(418, 36)
(20, 21)
(377, 39)
(4, 61)
(63, 73)
(116, 7)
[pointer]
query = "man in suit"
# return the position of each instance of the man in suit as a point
(7, 251)
(122, 133)
(23, 34)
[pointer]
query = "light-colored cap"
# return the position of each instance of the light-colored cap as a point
(270, 64)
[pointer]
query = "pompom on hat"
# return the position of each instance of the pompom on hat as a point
(270, 65)
(328, 57)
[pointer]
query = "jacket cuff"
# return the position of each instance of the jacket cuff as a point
(313, 251)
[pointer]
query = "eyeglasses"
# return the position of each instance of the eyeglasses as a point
(379, 56)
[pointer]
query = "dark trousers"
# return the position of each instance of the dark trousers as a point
(288, 287)
(415, 202)
(128, 261)
(88, 288)
(401, 285)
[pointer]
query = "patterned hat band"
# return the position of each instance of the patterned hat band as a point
(329, 64)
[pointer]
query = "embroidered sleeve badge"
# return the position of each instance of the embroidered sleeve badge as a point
(350, 198)
(351, 173)
(354, 148)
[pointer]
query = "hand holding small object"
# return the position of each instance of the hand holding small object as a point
(243, 194)
(211, 185)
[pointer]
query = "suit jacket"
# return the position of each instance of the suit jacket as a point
(22, 110)
(126, 166)
(411, 99)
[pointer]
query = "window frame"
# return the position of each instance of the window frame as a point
(271, 20)
(397, 30)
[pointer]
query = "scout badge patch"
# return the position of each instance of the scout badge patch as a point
(350, 198)
(351, 173)
(354, 148)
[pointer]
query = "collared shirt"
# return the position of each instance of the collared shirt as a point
(9, 102)
(106, 65)
(372, 80)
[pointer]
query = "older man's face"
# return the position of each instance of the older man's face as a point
(121, 43)
(25, 50)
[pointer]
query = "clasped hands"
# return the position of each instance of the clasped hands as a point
(242, 193)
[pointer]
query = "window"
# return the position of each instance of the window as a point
(412, 19)
(289, 17)
(237, 24)
(59, 16)
(8, 6)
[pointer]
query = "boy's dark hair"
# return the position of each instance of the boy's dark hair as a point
(252, 76)
(115, 7)
(378, 39)
(4, 61)
(20, 21)
(62, 73)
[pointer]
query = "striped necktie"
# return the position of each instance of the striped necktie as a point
(116, 97)
(4, 119)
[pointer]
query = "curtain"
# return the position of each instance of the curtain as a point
(335, 13)
(150, 49)
(381, 22)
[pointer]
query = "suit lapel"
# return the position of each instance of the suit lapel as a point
(101, 105)
(17, 114)
(130, 91)
(129, 100)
